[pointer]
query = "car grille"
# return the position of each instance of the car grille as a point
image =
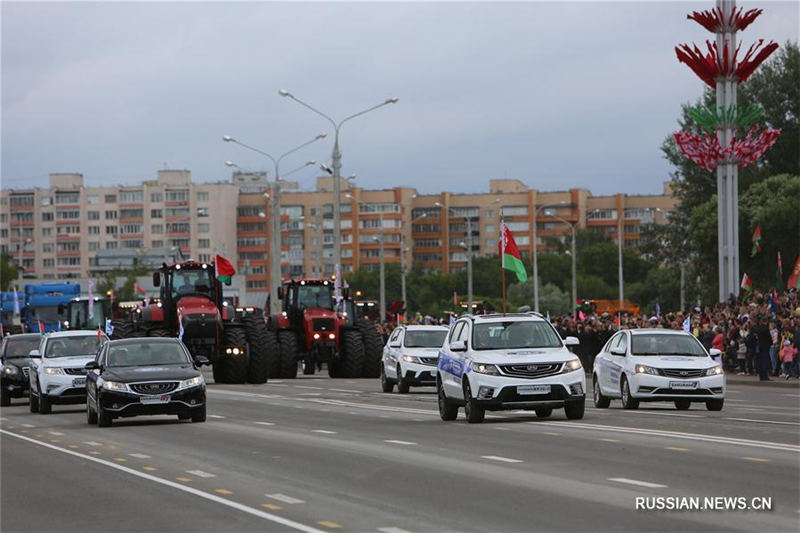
(25, 371)
(322, 324)
(429, 360)
(154, 388)
(75, 371)
(683, 373)
(532, 370)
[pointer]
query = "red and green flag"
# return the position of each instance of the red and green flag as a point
(509, 253)
(747, 285)
(779, 272)
(224, 269)
(794, 278)
(756, 239)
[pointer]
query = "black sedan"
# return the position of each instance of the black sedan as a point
(145, 376)
(14, 364)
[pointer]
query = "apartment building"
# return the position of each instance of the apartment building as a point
(68, 230)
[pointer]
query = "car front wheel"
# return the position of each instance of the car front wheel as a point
(91, 415)
(474, 413)
(103, 418)
(600, 401)
(715, 405)
(575, 410)
(387, 385)
(628, 401)
(448, 411)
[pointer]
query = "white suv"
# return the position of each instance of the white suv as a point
(410, 357)
(646, 365)
(57, 374)
(511, 361)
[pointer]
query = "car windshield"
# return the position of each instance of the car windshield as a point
(75, 345)
(661, 344)
(21, 347)
(192, 281)
(146, 354)
(425, 339)
(314, 296)
(79, 314)
(519, 334)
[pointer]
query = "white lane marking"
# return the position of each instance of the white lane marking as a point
(732, 400)
(325, 431)
(309, 394)
(140, 455)
(665, 414)
(200, 473)
(307, 387)
(92, 443)
(763, 421)
(284, 498)
(215, 416)
(676, 435)
(342, 403)
(234, 505)
(501, 459)
(345, 390)
(637, 483)
(404, 442)
(265, 423)
(398, 530)
(56, 433)
(792, 396)
(28, 425)
(3, 418)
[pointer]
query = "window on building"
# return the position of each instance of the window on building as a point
(157, 244)
(94, 230)
(202, 196)
(180, 243)
(68, 246)
(426, 228)
(47, 217)
(68, 215)
(204, 258)
(178, 195)
(94, 246)
(601, 214)
(111, 198)
(491, 243)
(156, 228)
(490, 213)
(428, 212)
(46, 200)
(131, 213)
(177, 227)
(49, 263)
(131, 228)
(46, 232)
(203, 228)
(131, 196)
(47, 247)
(68, 230)
(92, 199)
(93, 215)
(156, 197)
(248, 241)
(522, 240)
(489, 228)
(111, 245)
(156, 213)
(177, 212)
(132, 243)
(518, 226)
(202, 211)
(204, 243)
(462, 212)
(514, 210)
(111, 215)
(111, 230)
(21, 200)
(251, 226)
(248, 210)
(63, 198)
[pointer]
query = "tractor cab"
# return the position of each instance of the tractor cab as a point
(75, 315)
(188, 289)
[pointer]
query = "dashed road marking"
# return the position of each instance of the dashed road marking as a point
(140, 455)
(200, 473)
(56, 433)
(392, 530)
(636, 482)
(284, 498)
(501, 459)
(93, 452)
(272, 506)
(553, 433)
(120, 459)
(223, 491)
(763, 421)
(308, 394)
(328, 523)
(610, 440)
(676, 449)
(73, 446)
(403, 442)
(215, 416)
(265, 423)
(345, 390)
(28, 425)
(307, 387)
(149, 468)
(54, 440)
(756, 459)
(92, 443)
(501, 428)
(183, 478)
(325, 431)
(681, 415)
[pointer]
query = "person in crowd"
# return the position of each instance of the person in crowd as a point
(774, 347)
(741, 356)
(787, 356)
(751, 340)
(761, 329)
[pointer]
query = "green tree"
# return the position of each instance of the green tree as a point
(8, 271)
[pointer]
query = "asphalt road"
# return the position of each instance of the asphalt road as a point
(337, 455)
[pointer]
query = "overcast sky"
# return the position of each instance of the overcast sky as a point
(557, 94)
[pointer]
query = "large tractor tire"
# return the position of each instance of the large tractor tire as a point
(289, 354)
(273, 351)
(352, 361)
(234, 368)
(122, 329)
(158, 332)
(256, 332)
(373, 349)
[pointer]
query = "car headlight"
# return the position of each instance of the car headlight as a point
(411, 359)
(571, 366)
(644, 369)
(482, 368)
(191, 382)
(11, 370)
(115, 386)
(54, 371)
(714, 370)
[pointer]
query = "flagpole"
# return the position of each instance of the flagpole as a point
(503, 260)
(503, 274)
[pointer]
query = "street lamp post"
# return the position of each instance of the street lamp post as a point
(403, 269)
(275, 212)
(337, 168)
(468, 245)
(620, 236)
(379, 239)
(536, 254)
(574, 262)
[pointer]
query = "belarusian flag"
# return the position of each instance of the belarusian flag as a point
(747, 285)
(794, 278)
(779, 272)
(224, 269)
(756, 239)
(139, 289)
(509, 253)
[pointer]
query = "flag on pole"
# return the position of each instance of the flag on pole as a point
(747, 285)
(509, 253)
(548, 316)
(794, 278)
(109, 327)
(658, 310)
(180, 331)
(224, 269)
(16, 301)
(2, 333)
(779, 272)
(91, 300)
(41, 326)
(687, 324)
(756, 239)
(99, 341)
(138, 288)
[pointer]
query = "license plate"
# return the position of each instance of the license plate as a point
(682, 384)
(147, 400)
(79, 382)
(533, 389)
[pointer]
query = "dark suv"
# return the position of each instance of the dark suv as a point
(14, 364)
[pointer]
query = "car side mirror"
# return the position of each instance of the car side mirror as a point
(91, 365)
(33, 354)
(156, 279)
(572, 341)
(715, 353)
(617, 351)
(201, 360)
(458, 346)
(395, 344)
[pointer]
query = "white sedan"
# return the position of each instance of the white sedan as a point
(411, 356)
(646, 365)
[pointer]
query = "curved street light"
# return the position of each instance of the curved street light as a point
(469, 252)
(535, 252)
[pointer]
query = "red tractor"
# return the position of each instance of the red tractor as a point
(191, 307)
(311, 331)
